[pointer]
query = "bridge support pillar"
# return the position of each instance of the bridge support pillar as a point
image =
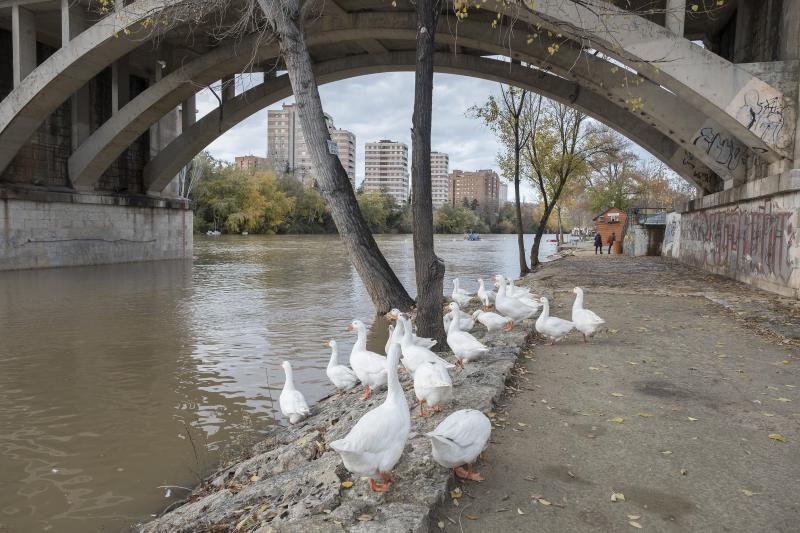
(120, 84)
(23, 35)
(676, 16)
(41, 229)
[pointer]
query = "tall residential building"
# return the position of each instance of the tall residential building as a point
(440, 166)
(286, 146)
(482, 186)
(503, 197)
(386, 169)
(346, 145)
(251, 163)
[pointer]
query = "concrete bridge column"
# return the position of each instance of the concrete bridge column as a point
(228, 88)
(72, 24)
(120, 84)
(23, 42)
(676, 16)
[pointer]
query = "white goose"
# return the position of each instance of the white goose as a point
(465, 321)
(459, 440)
(464, 346)
(342, 377)
(413, 355)
(586, 321)
(292, 402)
(521, 294)
(374, 445)
(389, 340)
(460, 295)
(552, 327)
(368, 366)
(432, 385)
(486, 297)
(396, 336)
(510, 306)
(493, 321)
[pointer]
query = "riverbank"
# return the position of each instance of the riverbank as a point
(687, 406)
(291, 481)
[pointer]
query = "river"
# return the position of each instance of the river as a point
(117, 380)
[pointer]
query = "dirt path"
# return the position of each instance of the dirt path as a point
(673, 407)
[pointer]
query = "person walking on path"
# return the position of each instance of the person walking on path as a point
(611, 241)
(598, 244)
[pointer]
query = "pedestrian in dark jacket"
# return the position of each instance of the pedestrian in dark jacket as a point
(611, 241)
(598, 244)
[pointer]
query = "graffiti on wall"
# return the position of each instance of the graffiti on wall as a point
(724, 150)
(670, 246)
(737, 242)
(763, 110)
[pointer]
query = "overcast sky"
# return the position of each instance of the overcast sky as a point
(379, 106)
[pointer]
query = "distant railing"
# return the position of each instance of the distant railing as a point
(648, 216)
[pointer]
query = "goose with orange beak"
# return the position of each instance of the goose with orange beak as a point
(369, 367)
(342, 377)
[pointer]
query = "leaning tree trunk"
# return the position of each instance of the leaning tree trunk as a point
(428, 267)
(537, 241)
(378, 277)
(560, 230)
(523, 265)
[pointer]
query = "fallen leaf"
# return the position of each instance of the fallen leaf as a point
(617, 419)
(784, 400)
(634, 517)
(519, 511)
(768, 414)
(366, 517)
(593, 368)
(456, 493)
(617, 395)
(617, 497)
(646, 415)
(684, 471)
(521, 424)
(692, 419)
(635, 524)
(491, 414)
(472, 517)
(347, 484)
(777, 436)
(632, 363)
(543, 501)
(666, 452)
(748, 493)
(254, 478)
(440, 524)
(785, 361)
(613, 331)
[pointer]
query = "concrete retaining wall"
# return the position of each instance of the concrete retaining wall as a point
(754, 241)
(93, 230)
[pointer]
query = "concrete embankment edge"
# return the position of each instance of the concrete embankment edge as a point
(293, 482)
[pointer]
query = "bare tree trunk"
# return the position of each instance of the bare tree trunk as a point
(378, 277)
(523, 265)
(428, 267)
(537, 241)
(560, 231)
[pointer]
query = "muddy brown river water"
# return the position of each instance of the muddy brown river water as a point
(120, 383)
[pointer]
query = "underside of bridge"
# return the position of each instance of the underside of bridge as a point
(98, 117)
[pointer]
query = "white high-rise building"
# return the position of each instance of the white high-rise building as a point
(440, 168)
(386, 169)
(346, 145)
(287, 150)
(503, 197)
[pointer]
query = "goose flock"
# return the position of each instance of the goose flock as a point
(375, 443)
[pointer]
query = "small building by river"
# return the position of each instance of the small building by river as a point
(612, 220)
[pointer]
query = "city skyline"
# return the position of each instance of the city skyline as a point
(384, 108)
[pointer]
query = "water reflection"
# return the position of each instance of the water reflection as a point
(117, 379)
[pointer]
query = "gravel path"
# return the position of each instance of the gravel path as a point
(677, 407)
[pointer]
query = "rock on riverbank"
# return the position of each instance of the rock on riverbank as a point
(293, 482)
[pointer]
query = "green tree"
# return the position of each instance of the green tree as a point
(557, 153)
(510, 120)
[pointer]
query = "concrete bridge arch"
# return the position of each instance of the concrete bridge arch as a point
(722, 115)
